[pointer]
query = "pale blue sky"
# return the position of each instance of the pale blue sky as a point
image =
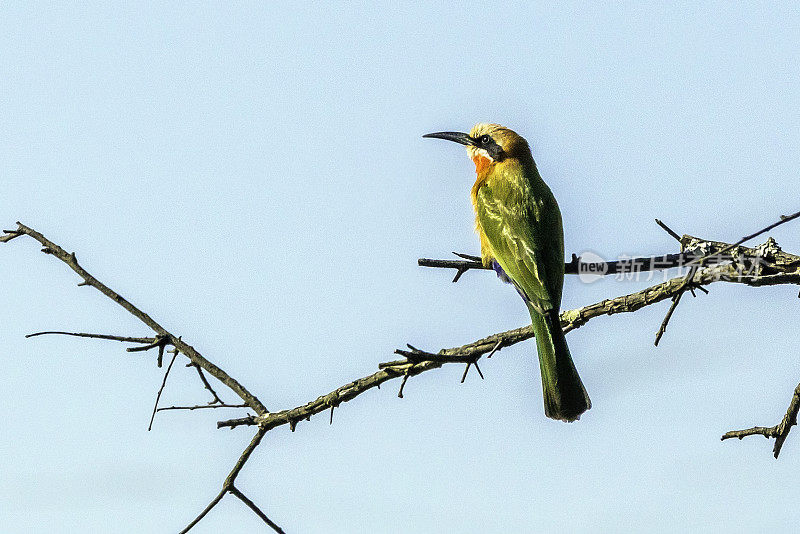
(254, 178)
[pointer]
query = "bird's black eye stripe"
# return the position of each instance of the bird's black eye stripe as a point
(487, 143)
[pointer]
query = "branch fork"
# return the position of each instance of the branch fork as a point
(780, 431)
(780, 268)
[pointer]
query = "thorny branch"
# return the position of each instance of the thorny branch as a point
(202, 407)
(71, 260)
(160, 341)
(783, 269)
(575, 266)
(711, 261)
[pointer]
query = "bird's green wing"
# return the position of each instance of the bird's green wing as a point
(524, 230)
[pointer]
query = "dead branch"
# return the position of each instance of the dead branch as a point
(161, 390)
(710, 262)
(229, 487)
(782, 268)
(127, 339)
(575, 266)
(51, 248)
(161, 339)
(780, 431)
(202, 407)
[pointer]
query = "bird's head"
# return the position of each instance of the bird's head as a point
(489, 144)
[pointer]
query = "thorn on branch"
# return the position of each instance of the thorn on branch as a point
(332, 400)
(495, 349)
(475, 363)
(466, 370)
(459, 272)
(467, 256)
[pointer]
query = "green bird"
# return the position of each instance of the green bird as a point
(522, 239)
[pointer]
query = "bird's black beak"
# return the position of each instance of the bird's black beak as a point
(458, 137)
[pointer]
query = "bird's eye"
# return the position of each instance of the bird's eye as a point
(485, 139)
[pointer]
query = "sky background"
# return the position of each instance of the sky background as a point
(255, 179)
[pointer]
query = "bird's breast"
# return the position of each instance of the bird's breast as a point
(483, 172)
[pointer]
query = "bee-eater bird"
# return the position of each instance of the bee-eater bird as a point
(522, 239)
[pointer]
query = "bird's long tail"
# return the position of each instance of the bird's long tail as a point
(565, 398)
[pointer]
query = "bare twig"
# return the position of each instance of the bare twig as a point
(229, 487)
(205, 511)
(235, 491)
(669, 230)
(69, 258)
(161, 390)
(207, 385)
(676, 298)
(126, 339)
(780, 431)
(202, 407)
